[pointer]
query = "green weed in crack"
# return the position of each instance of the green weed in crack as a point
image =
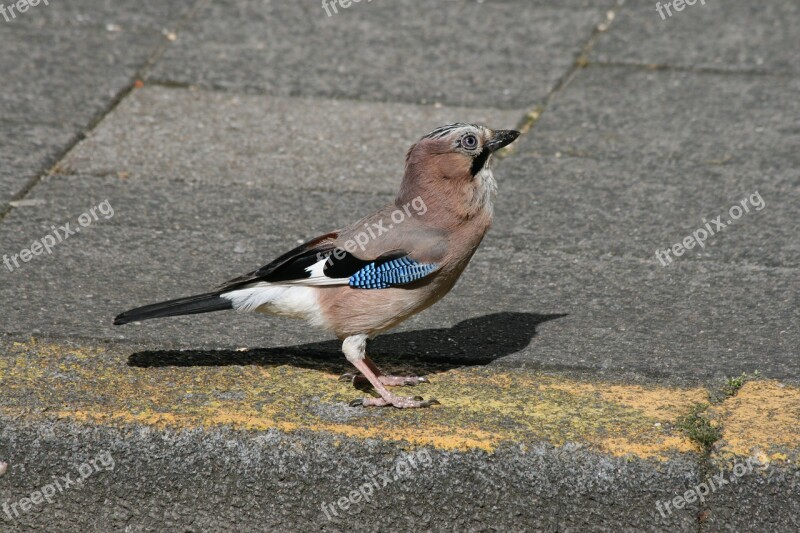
(699, 428)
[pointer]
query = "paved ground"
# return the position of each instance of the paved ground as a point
(582, 382)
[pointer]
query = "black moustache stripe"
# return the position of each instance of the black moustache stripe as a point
(480, 161)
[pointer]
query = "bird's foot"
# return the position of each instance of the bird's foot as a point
(401, 402)
(359, 381)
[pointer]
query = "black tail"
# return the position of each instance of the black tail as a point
(191, 305)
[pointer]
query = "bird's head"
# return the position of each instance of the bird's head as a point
(450, 166)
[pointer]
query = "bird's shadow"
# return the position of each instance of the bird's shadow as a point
(476, 341)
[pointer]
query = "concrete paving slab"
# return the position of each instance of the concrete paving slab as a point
(628, 208)
(201, 136)
(95, 66)
(623, 315)
(735, 35)
(86, 54)
(756, 502)
(620, 178)
(691, 322)
(229, 481)
(501, 54)
(605, 171)
(672, 118)
(108, 15)
(25, 152)
(117, 247)
(752, 422)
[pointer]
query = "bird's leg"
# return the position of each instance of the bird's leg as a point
(359, 380)
(354, 348)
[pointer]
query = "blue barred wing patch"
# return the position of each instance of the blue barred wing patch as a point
(391, 273)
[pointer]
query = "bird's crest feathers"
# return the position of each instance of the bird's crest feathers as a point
(443, 131)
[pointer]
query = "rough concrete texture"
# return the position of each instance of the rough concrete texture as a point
(735, 35)
(63, 66)
(674, 119)
(506, 54)
(250, 439)
(219, 480)
(255, 389)
(583, 385)
(25, 152)
(265, 142)
(608, 314)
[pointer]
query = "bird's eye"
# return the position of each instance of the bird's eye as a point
(470, 142)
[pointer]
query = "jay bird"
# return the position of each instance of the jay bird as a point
(361, 280)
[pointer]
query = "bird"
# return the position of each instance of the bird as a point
(363, 279)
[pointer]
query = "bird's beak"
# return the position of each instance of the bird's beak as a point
(501, 138)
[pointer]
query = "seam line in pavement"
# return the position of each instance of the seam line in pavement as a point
(698, 70)
(713, 434)
(80, 135)
(581, 60)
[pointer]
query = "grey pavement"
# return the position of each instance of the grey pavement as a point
(269, 482)
(63, 67)
(506, 54)
(257, 125)
(732, 36)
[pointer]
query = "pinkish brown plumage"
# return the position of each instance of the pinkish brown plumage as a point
(366, 278)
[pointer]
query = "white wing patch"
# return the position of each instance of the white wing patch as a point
(318, 277)
(283, 300)
(292, 298)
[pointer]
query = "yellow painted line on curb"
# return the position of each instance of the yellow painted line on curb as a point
(482, 408)
(763, 419)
